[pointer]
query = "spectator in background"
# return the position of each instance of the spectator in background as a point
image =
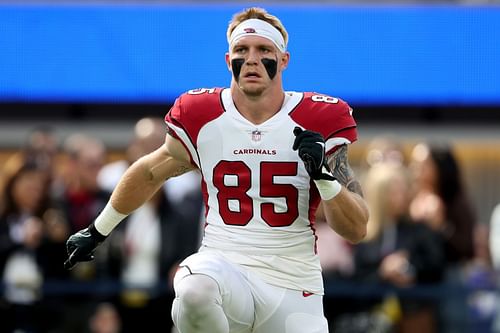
(40, 154)
(481, 282)
(149, 134)
(384, 149)
(148, 245)
(335, 253)
(106, 319)
(441, 201)
(41, 148)
(82, 199)
(32, 237)
(397, 251)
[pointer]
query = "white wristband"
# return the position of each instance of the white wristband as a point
(108, 220)
(328, 189)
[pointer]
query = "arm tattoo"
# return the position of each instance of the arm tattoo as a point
(342, 170)
(181, 170)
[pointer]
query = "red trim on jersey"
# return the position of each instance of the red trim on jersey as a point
(329, 119)
(204, 192)
(314, 200)
(191, 111)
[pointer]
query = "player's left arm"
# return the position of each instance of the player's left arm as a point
(347, 212)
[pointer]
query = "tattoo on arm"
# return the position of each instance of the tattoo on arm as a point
(181, 170)
(342, 170)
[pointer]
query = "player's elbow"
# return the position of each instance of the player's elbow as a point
(358, 235)
(360, 229)
(354, 231)
(357, 219)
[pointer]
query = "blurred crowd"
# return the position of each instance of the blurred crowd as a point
(423, 233)
(423, 236)
(51, 189)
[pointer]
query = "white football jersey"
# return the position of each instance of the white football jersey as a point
(260, 201)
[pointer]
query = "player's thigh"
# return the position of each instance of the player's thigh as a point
(291, 312)
(237, 299)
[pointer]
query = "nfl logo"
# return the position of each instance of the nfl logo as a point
(256, 135)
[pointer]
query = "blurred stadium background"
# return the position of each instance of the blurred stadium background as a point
(414, 71)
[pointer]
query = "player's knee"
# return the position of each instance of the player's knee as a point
(196, 292)
(193, 298)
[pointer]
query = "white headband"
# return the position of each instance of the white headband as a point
(256, 27)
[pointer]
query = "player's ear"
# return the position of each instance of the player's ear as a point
(228, 61)
(285, 59)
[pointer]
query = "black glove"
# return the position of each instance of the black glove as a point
(81, 246)
(311, 147)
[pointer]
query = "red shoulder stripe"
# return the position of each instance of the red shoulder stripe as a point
(326, 115)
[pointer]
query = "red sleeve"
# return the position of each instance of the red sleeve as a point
(332, 117)
(192, 110)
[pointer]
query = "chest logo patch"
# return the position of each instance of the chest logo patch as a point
(256, 135)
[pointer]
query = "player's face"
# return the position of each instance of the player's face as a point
(256, 64)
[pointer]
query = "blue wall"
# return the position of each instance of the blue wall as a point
(435, 55)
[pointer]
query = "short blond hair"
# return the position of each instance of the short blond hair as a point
(256, 13)
(377, 183)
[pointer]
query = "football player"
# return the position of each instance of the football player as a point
(267, 158)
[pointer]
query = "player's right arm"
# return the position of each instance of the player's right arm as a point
(141, 180)
(148, 174)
